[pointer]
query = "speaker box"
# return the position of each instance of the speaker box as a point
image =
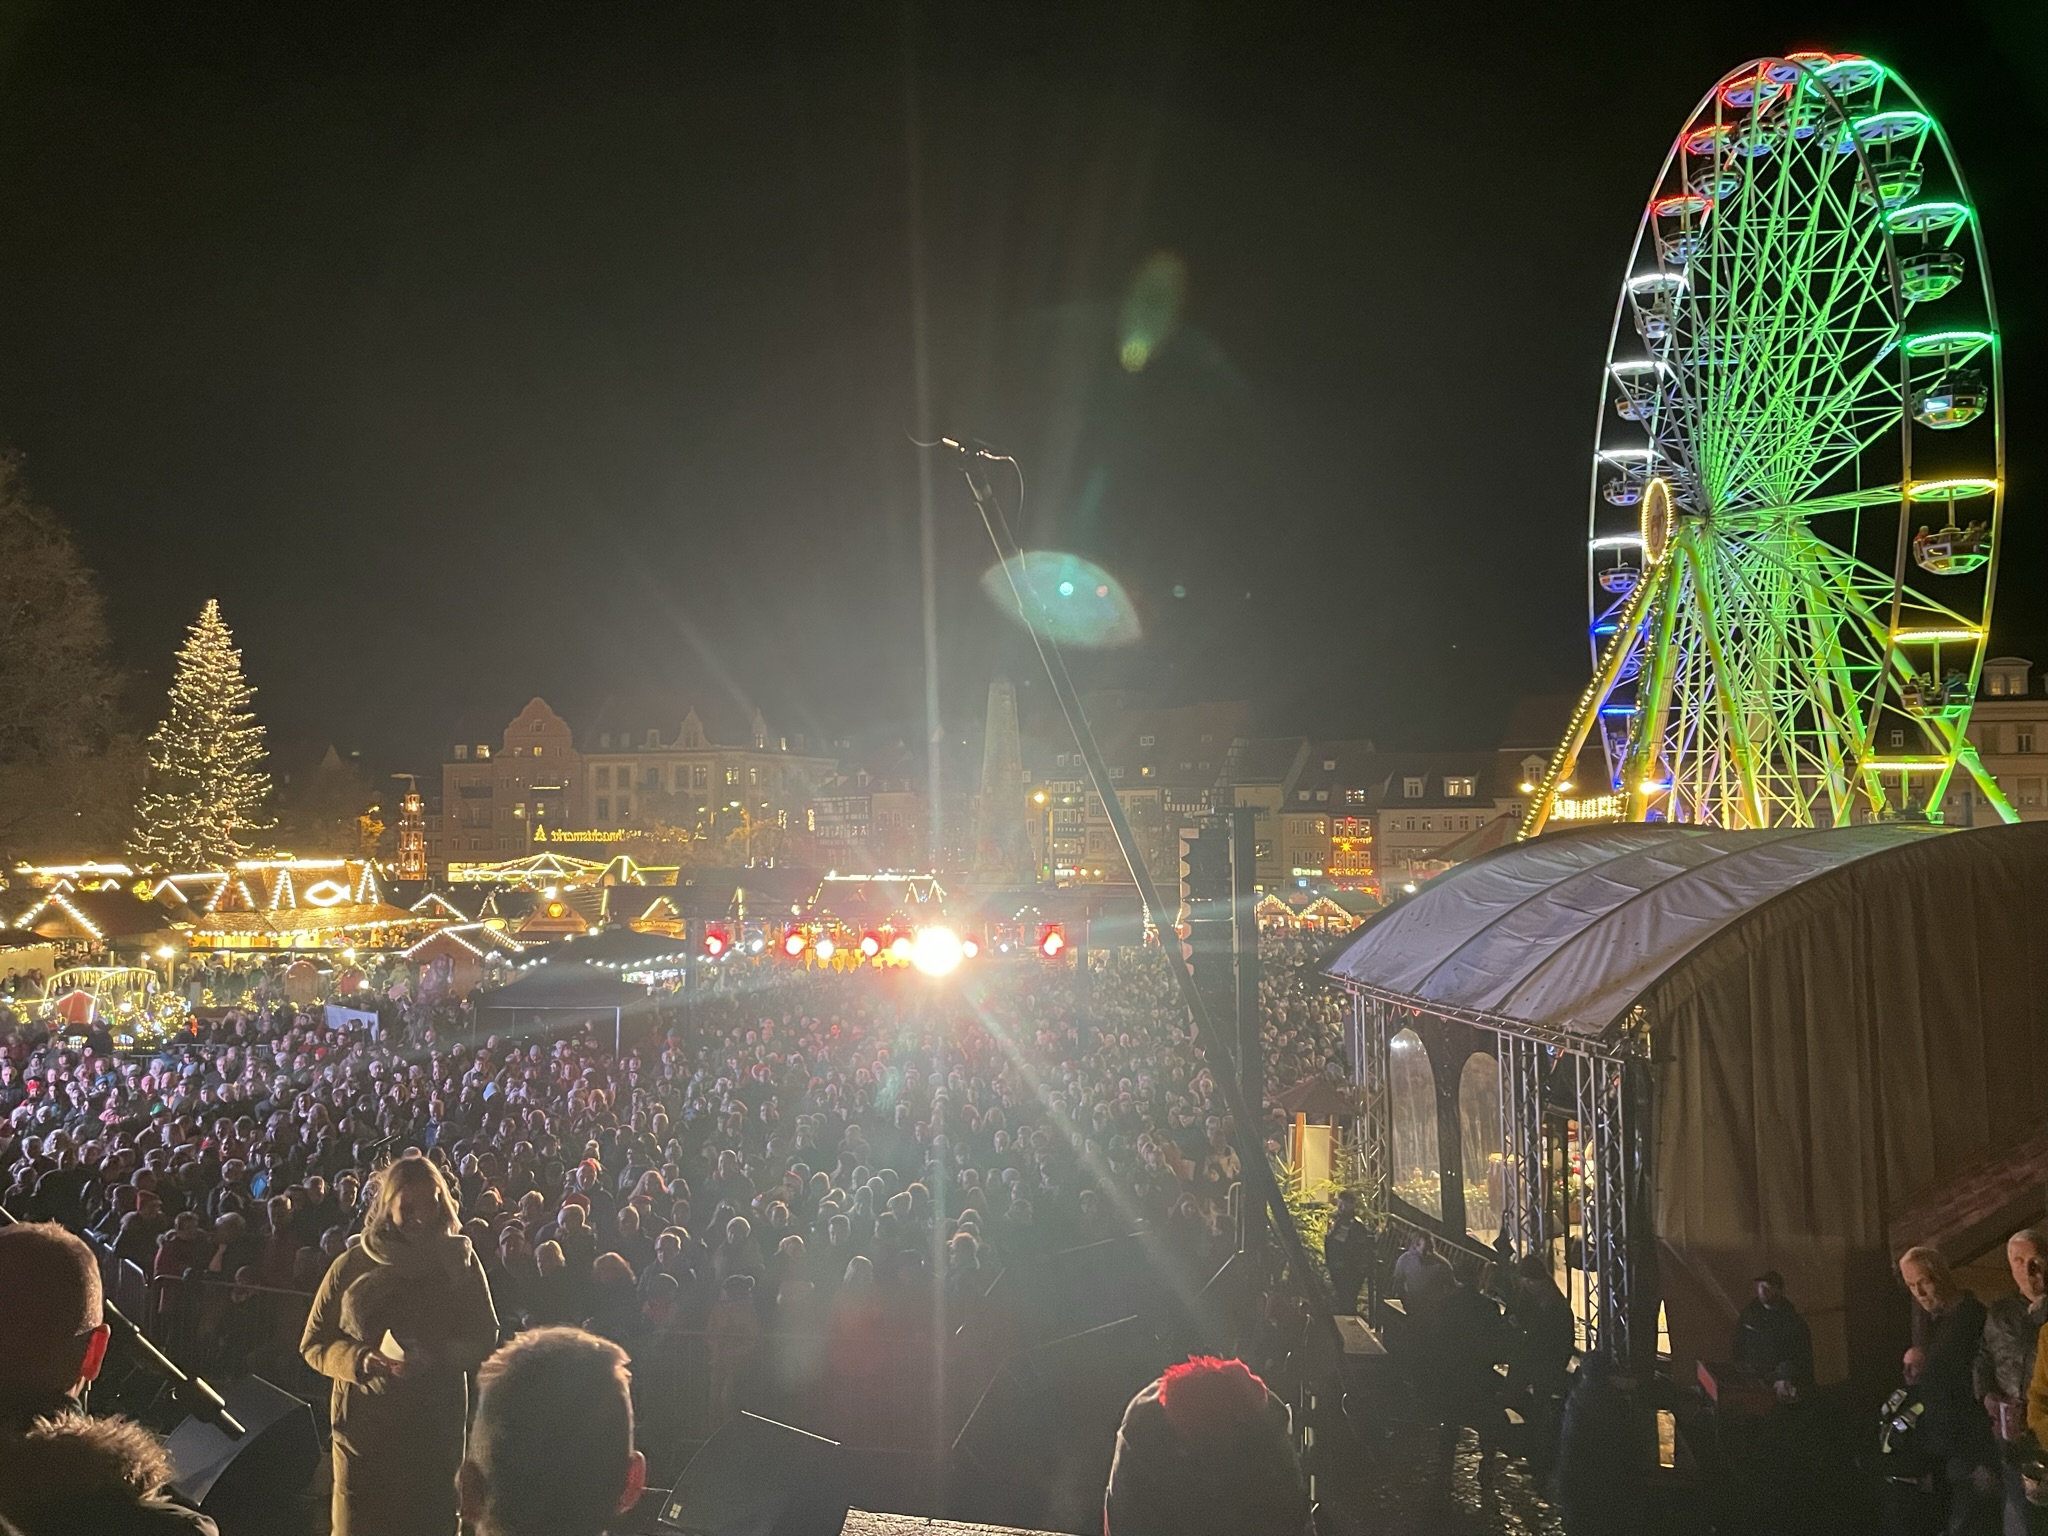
(1060, 1400)
(243, 1484)
(756, 1477)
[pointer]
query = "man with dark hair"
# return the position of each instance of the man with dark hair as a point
(551, 1453)
(61, 1472)
(1772, 1339)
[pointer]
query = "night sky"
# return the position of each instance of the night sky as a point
(467, 352)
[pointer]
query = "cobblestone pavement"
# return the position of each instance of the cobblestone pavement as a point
(1430, 1481)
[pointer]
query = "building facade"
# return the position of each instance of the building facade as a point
(2009, 729)
(539, 785)
(494, 794)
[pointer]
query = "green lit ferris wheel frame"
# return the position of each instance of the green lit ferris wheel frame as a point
(1799, 471)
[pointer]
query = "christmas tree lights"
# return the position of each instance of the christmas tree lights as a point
(206, 781)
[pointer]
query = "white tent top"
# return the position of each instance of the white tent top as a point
(1566, 932)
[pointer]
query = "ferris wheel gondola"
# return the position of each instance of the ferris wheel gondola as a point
(1798, 472)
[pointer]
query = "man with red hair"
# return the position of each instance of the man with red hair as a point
(1206, 1450)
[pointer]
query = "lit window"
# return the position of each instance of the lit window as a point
(482, 750)
(1458, 789)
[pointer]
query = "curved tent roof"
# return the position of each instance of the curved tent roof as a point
(1567, 932)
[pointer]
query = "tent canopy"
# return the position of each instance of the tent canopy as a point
(1843, 1025)
(572, 986)
(1567, 932)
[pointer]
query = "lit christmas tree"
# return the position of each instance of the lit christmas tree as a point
(205, 775)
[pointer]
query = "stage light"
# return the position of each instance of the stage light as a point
(793, 944)
(900, 947)
(1052, 938)
(871, 944)
(715, 942)
(969, 948)
(937, 952)
(826, 949)
(755, 946)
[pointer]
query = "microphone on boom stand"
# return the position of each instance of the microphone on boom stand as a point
(976, 449)
(196, 1393)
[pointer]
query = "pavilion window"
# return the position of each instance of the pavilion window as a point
(1479, 1144)
(1411, 1085)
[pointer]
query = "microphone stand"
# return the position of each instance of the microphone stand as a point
(199, 1395)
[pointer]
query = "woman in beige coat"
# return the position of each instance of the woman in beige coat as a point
(400, 1319)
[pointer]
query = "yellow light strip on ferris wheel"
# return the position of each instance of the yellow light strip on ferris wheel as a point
(1904, 765)
(1933, 636)
(1956, 485)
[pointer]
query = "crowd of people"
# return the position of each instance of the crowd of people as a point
(806, 1155)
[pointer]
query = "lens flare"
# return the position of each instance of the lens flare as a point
(1066, 598)
(1151, 310)
(937, 952)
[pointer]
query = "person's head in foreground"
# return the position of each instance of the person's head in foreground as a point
(54, 1337)
(552, 1452)
(1206, 1450)
(61, 1472)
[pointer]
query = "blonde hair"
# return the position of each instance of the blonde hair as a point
(409, 1170)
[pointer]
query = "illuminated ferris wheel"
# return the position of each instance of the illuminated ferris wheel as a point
(1798, 471)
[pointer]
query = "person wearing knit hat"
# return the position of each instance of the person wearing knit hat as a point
(1206, 1450)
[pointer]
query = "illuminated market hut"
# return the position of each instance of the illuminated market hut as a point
(289, 904)
(1671, 1057)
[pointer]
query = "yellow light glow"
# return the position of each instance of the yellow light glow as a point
(323, 893)
(825, 949)
(937, 952)
(900, 949)
(165, 952)
(1957, 486)
(1929, 636)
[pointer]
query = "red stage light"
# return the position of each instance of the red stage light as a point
(715, 942)
(793, 945)
(871, 944)
(1052, 938)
